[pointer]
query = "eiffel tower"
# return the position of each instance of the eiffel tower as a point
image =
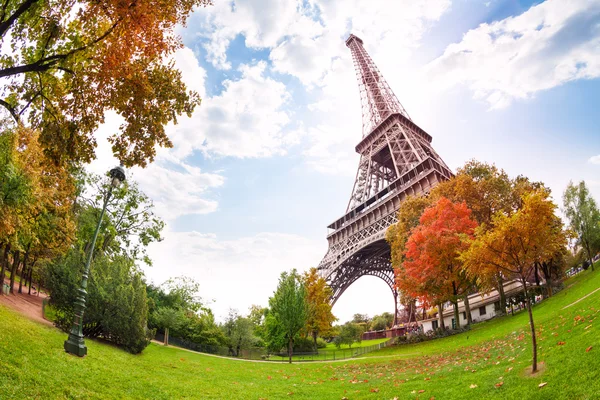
(396, 160)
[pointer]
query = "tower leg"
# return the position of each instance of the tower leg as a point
(395, 307)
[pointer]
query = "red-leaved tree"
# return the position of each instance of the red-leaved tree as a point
(432, 253)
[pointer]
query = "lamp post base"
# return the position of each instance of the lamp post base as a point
(76, 346)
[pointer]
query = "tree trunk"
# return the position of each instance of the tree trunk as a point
(2, 256)
(441, 315)
(290, 349)
(13, 271)
(239, 346)
(589, 252)
(29, 279)
(468, 309)
(23, 270)
(533, 338)
(501, 293)
(549, 284)
(536, 274)
(314, 335)
(3, 265)
(456, 315)
(166, 336)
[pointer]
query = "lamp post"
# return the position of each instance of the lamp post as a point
(75, 343)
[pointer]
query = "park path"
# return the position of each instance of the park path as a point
(28, 305)
(285, 361)
(577, 301)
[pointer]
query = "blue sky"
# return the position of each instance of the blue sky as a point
(267, 161)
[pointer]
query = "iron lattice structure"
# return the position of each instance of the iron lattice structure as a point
(396, 160)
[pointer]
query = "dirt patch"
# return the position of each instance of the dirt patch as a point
(541, 367)
(28, 305)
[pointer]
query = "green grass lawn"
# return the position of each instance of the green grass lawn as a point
(487, 362)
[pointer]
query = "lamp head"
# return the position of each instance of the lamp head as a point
(117, 175)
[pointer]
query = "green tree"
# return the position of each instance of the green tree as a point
(288, 309)
(116, 304)
(196, 322)
(257, 316)
(584, 218)
(133, 225)
(350, 333)
(168, 318)
(383, 321)
(238, 332)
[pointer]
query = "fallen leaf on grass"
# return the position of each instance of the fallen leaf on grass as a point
(473, 386)
(561, 343)
(290, 393)
(542, 384)
(421, 391)
(588, 349)
(374, 390)
(499, 384)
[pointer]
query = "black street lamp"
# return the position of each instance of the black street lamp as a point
(75, 343)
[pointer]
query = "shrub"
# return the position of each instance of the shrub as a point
(116, 303)
(321, 343)
(419, 337)
(303, 345)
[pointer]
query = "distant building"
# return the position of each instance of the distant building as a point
(482, 308)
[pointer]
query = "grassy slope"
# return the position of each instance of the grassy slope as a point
(33, 364)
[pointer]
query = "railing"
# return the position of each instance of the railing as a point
(262, 354)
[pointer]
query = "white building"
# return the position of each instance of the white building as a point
(482, 308)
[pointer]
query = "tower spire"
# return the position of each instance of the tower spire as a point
(376, 98)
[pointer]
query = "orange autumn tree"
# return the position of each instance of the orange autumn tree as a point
(485, 189)
(517, 242)
(66, 63)
(397, 235)
(318, 294)
(432, 253)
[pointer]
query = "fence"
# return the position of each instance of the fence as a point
(263, 354)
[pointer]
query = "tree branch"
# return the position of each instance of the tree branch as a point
(44, 64)
(5, 25)
(11, 110)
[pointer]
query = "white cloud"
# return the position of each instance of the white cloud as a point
(595, 159)
(175, 187)
(262, 22)
(177, 192)
(193, 75)
(235, 273)
(248, 119)
(550, 44)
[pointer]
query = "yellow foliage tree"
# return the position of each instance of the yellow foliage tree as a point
(318, 295)
(514, 245)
